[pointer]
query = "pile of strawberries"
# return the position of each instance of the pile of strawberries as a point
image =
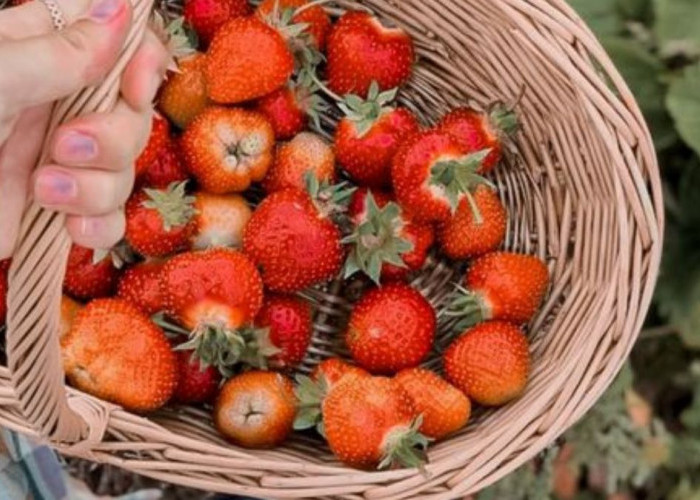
(243, 200)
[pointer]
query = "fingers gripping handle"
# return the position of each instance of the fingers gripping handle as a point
(36, 277)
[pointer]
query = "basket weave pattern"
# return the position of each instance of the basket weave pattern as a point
(583, 192)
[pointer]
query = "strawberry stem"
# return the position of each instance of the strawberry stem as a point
(468, 307)
(323, 87)
(405, 447)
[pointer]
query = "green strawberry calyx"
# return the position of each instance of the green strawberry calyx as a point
(364, 113)
(466, 309)
(460, 178)
(308, 99)
(310, 394)
(405, 446)
(175, 206)
(503, 120)
(377, 240)
(180, 41)
(331, 200)
(301, 43)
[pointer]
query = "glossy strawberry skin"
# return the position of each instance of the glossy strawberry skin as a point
(317, 21)
(284, 112)
(207, 16)
(367, 159)
(473, 131)
(247, 59)
(461, 237)
(290, 323)
(306, 152)
(411, 170)
(359, 50)
(157, 141)
(490, 363)
(169, 167)
(140, 286)
(219, 285)
(184, 94)
(294, 246)
(391, 328)
(4, 269)
(333, 370)
(146, 233)
(85, 280)
(195, 385)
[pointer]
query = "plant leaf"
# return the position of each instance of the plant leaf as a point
(684, 104)
(676, 27)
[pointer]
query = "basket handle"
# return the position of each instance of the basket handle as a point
(36, 278)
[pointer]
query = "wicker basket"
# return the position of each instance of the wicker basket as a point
(583, 192)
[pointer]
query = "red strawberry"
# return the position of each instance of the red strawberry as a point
(184, 94)
(306, 153)
(219, 220)
(166, 169)
(86, 279)
(290, 323)
(247, 59)
(357, 209)
(317, 22)
(501, 286)
(445, 409)
(116, 353)
(158, 222)
(479, 131)
(292, 242)
(140, 286)
(196, 384)
(431, 174)
(215, 294)
(391, 328)
(4, 269)
(385, 243)
(369, 136)
(360, 50)
(289, 109)
(490, 363)
(334, 370)
(226, 149)
(158, 139)
(207, 16)
(464, 236)
(370, 422)
(69, 310)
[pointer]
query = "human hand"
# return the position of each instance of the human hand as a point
(89, 173)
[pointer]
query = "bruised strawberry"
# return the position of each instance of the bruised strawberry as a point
(195, 383)
(306, 153)
(140, 286)
(206, 17)
(157, 141)
(86, 279)
(219, 220)
(290, 323)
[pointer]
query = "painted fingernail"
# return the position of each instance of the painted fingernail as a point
(104, 11)
(55, 188)
(77, 146)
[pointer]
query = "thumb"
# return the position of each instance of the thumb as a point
(46, 68)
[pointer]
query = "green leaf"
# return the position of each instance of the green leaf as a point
(677, 23)
(601, 15)
(684, 105)
(642, 71)
(637, 10)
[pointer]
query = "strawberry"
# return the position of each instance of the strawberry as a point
(370, 422)
(195, 384)
(431, 173)
(140, 286)
(391, 328)
(247, 59)
(215, 294)
(293, 243)
(291, 325)
(219, 220)
(502, 286)
(116, 353)
(367, 138)
(290, 108)
(464, 236)
(86, 279)
(306, 153)
(256, 409)
(4, 269)
(206, 17)
(317, 22)
(333, 370)
(445, 409)
(384, 242)
(158, 222)
(478, 131)
(360, 50)
(157, 140)
(184, 94)
(226, 149)
(69, 310)
(167, 168)
(490, 363)
(357, 209)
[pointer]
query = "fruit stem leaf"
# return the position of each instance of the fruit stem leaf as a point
(504, 120)
(406, 447)
(365, 112)
(460, 178)
(175, 207)
(467, 308)
(310, 395)
(331, 200)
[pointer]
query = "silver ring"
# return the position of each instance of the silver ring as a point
(57, 17)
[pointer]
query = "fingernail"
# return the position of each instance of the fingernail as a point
(104, 11)
(55, 188)
(77, 146)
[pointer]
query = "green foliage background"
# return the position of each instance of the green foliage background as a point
(642, 440)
